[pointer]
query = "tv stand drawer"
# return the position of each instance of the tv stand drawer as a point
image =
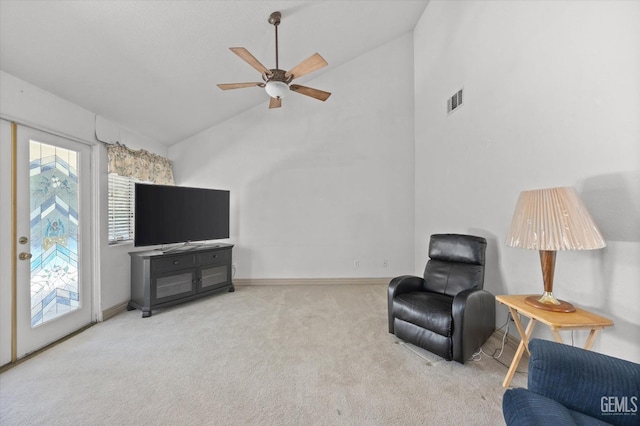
(214, 257)
(173, 263)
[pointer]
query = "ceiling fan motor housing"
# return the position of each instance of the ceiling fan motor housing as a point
(277, 75)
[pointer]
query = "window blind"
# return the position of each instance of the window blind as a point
(121, 208)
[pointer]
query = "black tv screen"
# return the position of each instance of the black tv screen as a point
(177, 214)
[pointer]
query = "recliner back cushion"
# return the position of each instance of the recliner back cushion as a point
(451, 278)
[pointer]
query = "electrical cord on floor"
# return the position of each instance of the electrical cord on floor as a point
(478, 355)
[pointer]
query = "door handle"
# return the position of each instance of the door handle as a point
(24, 256)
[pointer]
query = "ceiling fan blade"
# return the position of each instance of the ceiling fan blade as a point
(275, 103)
(250, 59)
(314, 93)
(312, 63)
(228, 86)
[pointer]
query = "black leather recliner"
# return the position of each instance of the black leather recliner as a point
(447, 312)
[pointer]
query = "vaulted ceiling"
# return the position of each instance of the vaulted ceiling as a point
(153, 66)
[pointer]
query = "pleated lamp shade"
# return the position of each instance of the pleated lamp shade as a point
(549, 220)
(553, 219)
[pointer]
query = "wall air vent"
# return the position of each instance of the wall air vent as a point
(454, 102)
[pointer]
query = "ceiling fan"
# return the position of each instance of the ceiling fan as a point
(276, 81)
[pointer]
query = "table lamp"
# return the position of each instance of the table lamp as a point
(549, 220)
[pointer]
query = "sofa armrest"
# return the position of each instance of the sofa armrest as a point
(474, 321)
(591, 383)
(399, 285)
(521, 407)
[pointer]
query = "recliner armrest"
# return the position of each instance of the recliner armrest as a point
(474, 321)
(399, 285)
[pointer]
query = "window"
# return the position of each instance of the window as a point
(121, 208)
(125, 168)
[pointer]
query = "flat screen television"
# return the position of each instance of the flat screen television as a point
(177, 214)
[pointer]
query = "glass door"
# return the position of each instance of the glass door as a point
(54, 255)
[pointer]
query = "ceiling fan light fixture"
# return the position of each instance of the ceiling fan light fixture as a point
(276, 89)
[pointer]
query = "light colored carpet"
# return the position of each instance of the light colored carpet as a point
(263, 355)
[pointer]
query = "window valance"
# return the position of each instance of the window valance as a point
(142, 165)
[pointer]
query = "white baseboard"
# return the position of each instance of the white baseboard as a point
(310, 281)
(114, 310)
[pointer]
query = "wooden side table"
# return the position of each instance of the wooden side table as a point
(578, 320)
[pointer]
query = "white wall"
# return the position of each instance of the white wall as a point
(552, 98)
(30, 105)
(315, 186)
(115, 262)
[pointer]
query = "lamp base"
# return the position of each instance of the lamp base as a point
(549, 303)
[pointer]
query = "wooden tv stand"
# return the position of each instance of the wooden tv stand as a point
(160, 279)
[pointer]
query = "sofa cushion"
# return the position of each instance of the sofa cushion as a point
(431, 311)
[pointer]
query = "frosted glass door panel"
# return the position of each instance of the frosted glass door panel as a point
(53, 178)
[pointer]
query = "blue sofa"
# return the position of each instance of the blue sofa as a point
(573, 386)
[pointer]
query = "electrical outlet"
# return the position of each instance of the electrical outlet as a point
(356, 263)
